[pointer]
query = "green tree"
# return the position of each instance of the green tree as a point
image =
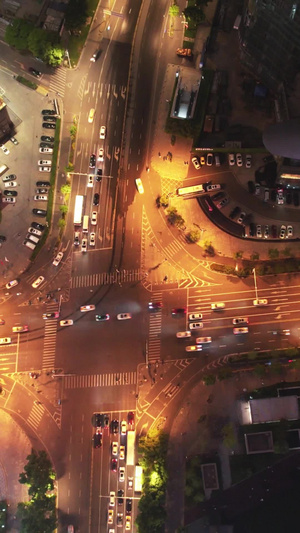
(38, 473)
(73, 131)
(194, 15)
(38, 40)
(63, 209)
(273, 253)
(164, 200)
(174, 10)
(62, 223)
(209, 379)
(53, 55)
(17, 33)
(69, 168)
(286, 252)
(76, 14)
(238, 255)
(208, 248)
(194, 235)
(254, 256)
(66, 189)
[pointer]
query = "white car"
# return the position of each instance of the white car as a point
(289, 231)
(90, 182)
(123, 427)
(41, 197)
(282, 231)
(231, 160)
(258, 231)
(248, 161)
(110, 518)
(46, 150)
(196, 163)
(10, 184)
(240, 331)
(217, 306)
(5, 340)
(34, 231)
(240, 220)
(194, 348)
(280, 197)
(196, 325)
(45, 169)
(94, 218)
(112, 497)
(240, 320)
(92, 239)
(114, 448)
(195, 316)
(9, 200)
(122, 453)
(45, 162)
(38, 282)
(11, 284)
(203, 340)
(209, 160)
(102, 132)
(139, 185)
(66, 322)
(239, 160)
(124, 316)
(260, 301)
(121, 473)
(57, 259)
(101, 155)
(128, 522)
(84, 245)
(86, 308)
(5, 150)
(183, 334)
(91, 115)
(213, 187)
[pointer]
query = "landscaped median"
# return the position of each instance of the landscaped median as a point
(262, 268)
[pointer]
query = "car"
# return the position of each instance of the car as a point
(35, 72)
(203, 340)
(114, 463)
(110, 518)
(258, 231)
(282, 332)
(5, 150)
(37, 226)
(2, 238)
(91, 115)
(274, 231)
(213, 187)
(122, 453)
(46, 145)
(38, 282)
(130, 418)
(96, 198)
(282, 231)
(55, 314)
(101, 155)
(86, 308)
(223, 202)
(102, 132)
(112, 497)
(77, 238)
(193, 348)
(94, 218)
(12, 284)
(260, 302)
(240, 220)
(42, 190)
(139, 185)
(129, 483)
(121, 473)
(239, 160)
(235, 212)
(49, 125)
(202, 160)
(47, 139)
(92, 238)
(209, 160)
(280, 197)
(102, 318)
(65, 323)
(49, 119)
(92, 161)
(48, 112)
(290, 231)
(128, 505)
(10, 193)
(10, 177)
(218, 306)
(183, 334)
(266, 231)
(154, 306)
(239, 331)
(11, 184)
(128, 522)
(248, 161)
(257, 189)
(41, 197)
(97, 439)
(296, 198)
(5, 340)
(20, 329)
(58, 259)
(84, 245)
(44, 169)
(95, 56)
(99, 174)
(231, 160)
(114, 448)
(40, 212)
(240, 320)
(123, 427)
(288, 197)
(106, 421)
(14, 140)
(9, 200)
(196, 163)
(42, 162)
(90, 182)
(266, 194)
(178, 311)
(124, 316)
(70, 529)
(195, 316)
(114, 426)
(196, 325)
(218, 196)
(251, 187)
(120, 519)
(252, 229)
(42, 183)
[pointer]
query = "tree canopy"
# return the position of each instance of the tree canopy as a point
(76, 14)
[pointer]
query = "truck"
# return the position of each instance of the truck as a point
(184, 52)
(138, 479)
(130, 448)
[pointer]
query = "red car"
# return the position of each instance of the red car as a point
(131, 418)
(179, 311)
(114, 463)
(154, 306)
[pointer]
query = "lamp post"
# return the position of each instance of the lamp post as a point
(255, 284)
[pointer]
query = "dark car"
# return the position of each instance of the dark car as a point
(114, 463)
(128, 505)
(10, 193)
(274, 231)
(49, 125)
(179, 311)
(2, 238)
(154, 306)
(296, 198)
(251, 187)
(37, 225)
(98, 420)
(101, 318)
(289, 198)
(47, 138)
(46, 145)
(252, 229)
(42, 191)
(96, 199)
(120, 496)
(99, 174)
(48, 112)
(97, 440)
(235, 212)
(55, 314)
(10, 177)
(130, 418)
(92, 160)
(95, 55)
(40, 212)
(273, 195)
(218, 196)
(114, 426)
(14, 140)
(49, 119)
(43, 183)
(35, 72)
(105, 421)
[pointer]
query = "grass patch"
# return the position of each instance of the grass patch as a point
(265, 268)
(26, 82)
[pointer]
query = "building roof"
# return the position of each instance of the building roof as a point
(274, 409)
(283, 139)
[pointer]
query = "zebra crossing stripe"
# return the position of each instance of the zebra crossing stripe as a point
(100, 380)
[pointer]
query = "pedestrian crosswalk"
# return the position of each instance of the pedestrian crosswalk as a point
(100, 380)
(105, 278)
(50, 338)
(58, 81)
(36, 414)
(155, 320)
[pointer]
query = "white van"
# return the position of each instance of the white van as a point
(85, 225)
(29, 244)
(217, 160)
(237, 22)
(32, 238)
(3, 168)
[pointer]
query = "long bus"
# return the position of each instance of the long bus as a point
(130, 447)
(138, 479)
(78, 210)
(194, 190)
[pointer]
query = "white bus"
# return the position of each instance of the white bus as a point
(78, 210)
(138, 479)
(130, 448)
(194, 190)
(85, 225)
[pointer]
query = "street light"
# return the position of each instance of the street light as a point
(255, 284)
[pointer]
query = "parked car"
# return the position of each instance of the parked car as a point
(231, 160)
(213, 187)
(280, 197)
(266, 232)
(223, 202)
(258, 231)
(248, 161)
(282, 231)
(239, 160)
(49, 125)
(218, 196)
(257, 189)
(252, 229)
(235, 212)
(274, 231)
(251, 187)
(290, 231)
(240, 220)
(196, 163)
(209, 160)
